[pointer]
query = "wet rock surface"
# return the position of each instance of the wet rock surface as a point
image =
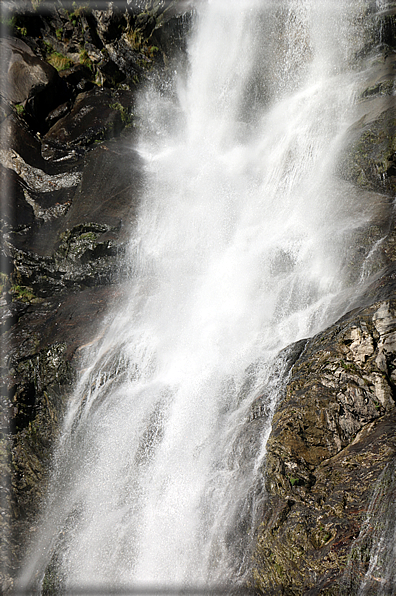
(97, 115)
(369, 158)
(26, 80)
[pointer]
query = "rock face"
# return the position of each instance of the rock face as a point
(26, 80)
(332, 437)
(70, 182)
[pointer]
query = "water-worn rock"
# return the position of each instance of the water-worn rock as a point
(14, 210)
(79, 235)
(45, 344)
(107, 195)
(333, 434)
(371, 160)
(66, 221)
(83, 259)
(333, 438)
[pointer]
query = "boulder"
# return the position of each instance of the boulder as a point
(26, 79)
(22, 73)
(15, 136)
(32, 189)
(110, 186)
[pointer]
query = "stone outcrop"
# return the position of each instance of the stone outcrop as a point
(28, 81)
(332, 437)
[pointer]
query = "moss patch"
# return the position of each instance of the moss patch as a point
(22, 293)
(58, 61)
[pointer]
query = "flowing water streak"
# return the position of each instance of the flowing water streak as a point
(371, 566)
(381, 520)
(240, 249)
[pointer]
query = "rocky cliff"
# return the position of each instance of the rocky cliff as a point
(70, 182)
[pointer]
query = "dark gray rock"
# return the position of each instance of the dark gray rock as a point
(46, 343)
(388, 27)
(370, 160)
(95, 116)
(69, 217)
(109, 73)
(15, 212)
(17, 137)
(22, 74)
(110, 186)
(111, 22)
(74, 75)
(107, 195)
(57, 114)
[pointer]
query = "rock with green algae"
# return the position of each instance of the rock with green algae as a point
(369, 158)
(82, 260)
(44, 344)
(59, 321)
(333, 436)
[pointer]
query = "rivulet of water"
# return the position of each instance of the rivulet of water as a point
(371, 565)
(380, 524)
(242, 247)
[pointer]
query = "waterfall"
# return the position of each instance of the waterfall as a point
(242, 246)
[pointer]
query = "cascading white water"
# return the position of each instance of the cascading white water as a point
(241, 248)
